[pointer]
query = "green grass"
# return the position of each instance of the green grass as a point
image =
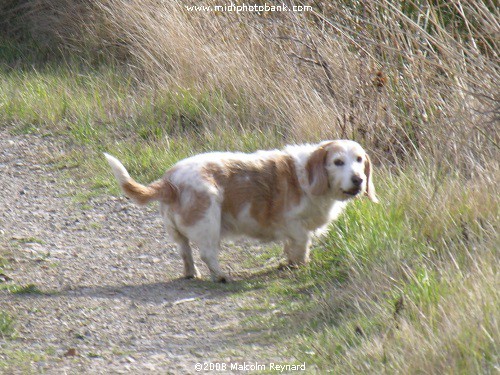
(21, 289)
(6, 324)
(387, 276)
(25, 240)
(19, 361)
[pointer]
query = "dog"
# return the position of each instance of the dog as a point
(278, 195)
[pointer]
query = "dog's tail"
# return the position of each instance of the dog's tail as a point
(160, 190)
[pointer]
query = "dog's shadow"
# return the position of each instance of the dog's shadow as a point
(170, 292)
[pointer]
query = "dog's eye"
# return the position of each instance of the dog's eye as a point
(359, 159)
(338, 162)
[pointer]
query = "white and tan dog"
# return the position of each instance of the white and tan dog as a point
(270, 195)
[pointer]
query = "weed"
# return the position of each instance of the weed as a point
(22, 289)
(26, 240)
(6, 324)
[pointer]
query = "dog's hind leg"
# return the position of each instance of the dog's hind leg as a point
(206, 234)
(190, 270)
(209, 254)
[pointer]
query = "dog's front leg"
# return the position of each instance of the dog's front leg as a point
(297, 250)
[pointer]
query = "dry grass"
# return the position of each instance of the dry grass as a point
(400, 77)
(446, 324)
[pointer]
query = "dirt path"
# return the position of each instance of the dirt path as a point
(108, 277)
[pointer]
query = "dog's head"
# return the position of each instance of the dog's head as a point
(341, 169)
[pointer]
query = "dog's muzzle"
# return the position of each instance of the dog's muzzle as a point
(353, 192)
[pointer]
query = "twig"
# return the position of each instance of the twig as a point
(185, 300)
(323, 64)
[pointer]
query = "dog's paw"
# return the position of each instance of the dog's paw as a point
(221, 279)
(288, 266)
(192, 274)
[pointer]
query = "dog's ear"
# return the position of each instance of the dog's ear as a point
(370, 189)
(317, 173)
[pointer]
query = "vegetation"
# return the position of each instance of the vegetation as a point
(406, 286)
(6, 324)
(18, 289)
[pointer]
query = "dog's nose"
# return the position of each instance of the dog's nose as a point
(356, 180)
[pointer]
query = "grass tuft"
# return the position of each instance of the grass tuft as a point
(6, 324)
(22, 289)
